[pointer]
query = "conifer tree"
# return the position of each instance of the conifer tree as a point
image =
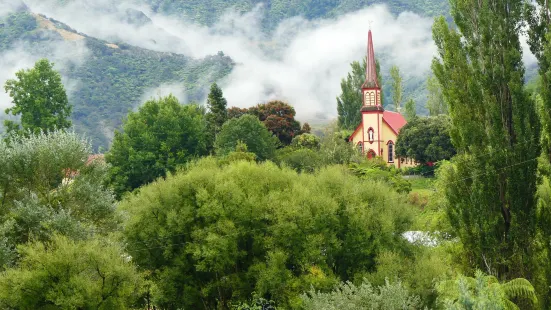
(217, 113)
(489, 187)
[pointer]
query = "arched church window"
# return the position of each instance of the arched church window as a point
(360, 147)
(370, 135)
(390, 151)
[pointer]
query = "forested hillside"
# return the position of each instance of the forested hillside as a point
(208, 11)
(113, 78)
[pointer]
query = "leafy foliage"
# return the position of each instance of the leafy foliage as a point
(335, 148)
(348, 296)
(39, 98)
(426, 139)
(493, 208)
(155, 140)
(306, 140)
(244, 227)
(277, 116)
(70, 275)
(48, 187)
(484, 292)
(250, 131)
(377, 169)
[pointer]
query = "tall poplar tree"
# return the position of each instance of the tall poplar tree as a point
(397, 87)
(539, 39)
(490, 185)
(435, 101)
(217, 113)
(538, 16)
(410, 111)
(350, 101)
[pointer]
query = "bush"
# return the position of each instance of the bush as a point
(69, 274)
(301, 160)
(244, 228)
(347, 296)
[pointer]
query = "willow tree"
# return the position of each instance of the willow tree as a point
(490, 185)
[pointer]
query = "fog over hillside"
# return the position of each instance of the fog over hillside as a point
(301, 61)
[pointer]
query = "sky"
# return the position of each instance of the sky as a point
(304, 64)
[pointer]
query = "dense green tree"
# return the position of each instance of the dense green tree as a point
(490, 186)
(249, 130)
(537, 14)
(348, 296)
(217, 114)
(410, 111)
(49, 185)
(216, 233)
(435, 100)
(350, 101)
(426, 139)
(67, 274)
(155, 140)
(279, 118)
(306, 140)
(397, 87)
(39, 98)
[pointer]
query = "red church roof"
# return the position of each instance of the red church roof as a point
(395, 120)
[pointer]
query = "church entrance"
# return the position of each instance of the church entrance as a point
(371, 154)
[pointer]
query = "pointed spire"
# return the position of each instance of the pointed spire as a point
(371, 80)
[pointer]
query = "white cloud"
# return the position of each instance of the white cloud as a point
(162, 90)
(8, 6)
(62, 53)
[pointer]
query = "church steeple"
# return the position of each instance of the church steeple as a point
(371, 80)
(371, 91)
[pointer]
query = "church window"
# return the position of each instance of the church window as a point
(370, 135)
(390, 152)
(360, 147)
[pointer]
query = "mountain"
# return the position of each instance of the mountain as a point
(112, 77)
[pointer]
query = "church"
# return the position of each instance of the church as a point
(376, 135)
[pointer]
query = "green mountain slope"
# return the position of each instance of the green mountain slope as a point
(113, 78)
(208, 11)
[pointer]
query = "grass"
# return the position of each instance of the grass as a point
(421, 185)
